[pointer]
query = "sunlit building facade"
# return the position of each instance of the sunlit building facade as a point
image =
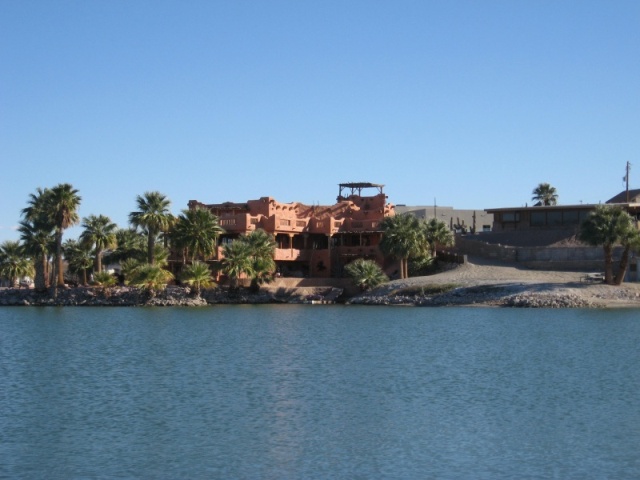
(313, 240)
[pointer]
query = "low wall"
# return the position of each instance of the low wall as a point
(478, 248)
(547, 258)
(292, 282)
(313, 282)
(451, 257)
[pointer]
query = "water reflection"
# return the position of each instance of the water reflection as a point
(340, 392)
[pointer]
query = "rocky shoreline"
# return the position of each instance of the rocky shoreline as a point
(486, 295)
(477, 283)
(500, 285)
(172, 296)
(505, 295)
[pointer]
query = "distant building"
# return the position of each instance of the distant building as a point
(459, 221)
(312, 240)
(547, 224)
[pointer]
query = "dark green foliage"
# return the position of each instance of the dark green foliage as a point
(196, 233)
(153, 217)
(366, 274)
(610, 225)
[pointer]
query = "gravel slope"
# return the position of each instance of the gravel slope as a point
(482, 282)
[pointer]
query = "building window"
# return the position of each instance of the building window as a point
(511, 217)
(538, 219)
(571, 217)
(584, 214)
(284, 222)
(254, 220)
(301, 223)
(554, 218)
(227, 222)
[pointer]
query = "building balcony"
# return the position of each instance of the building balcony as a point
(293, 254)
(240, 223)
(358, 251)
(351, 225)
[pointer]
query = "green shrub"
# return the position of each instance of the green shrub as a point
(366, 274)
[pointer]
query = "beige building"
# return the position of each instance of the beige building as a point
(459, 221)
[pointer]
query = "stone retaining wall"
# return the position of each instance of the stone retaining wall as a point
(547, 258)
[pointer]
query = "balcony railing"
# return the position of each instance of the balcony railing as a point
(364, 250)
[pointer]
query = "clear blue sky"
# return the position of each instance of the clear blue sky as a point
(472, 103)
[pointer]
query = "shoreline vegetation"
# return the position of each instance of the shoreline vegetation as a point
(477, 283)
(144, 251)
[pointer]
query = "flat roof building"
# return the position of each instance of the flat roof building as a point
(543, 225)
(312, 240)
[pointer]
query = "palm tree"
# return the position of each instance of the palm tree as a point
(153, 216)
(198, 276)
(196, 232)
(104, 280)
(62, 204)
(14, 264)
(130, 244)
(608, 226)
(79, 258)
(37, 236)
(262, 271)
(99, 232)
(237, 261)
(262, 247)
(38, 242)
(366, 274)
(545, 194)
(128, 268)
(151, 278)
(438, 235)
(36, 208)
(403, 237)
(630, 240)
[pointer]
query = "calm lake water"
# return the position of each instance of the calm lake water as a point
(319, 392)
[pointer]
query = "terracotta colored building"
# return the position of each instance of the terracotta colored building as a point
(313, 240)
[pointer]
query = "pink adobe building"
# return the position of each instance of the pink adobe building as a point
(313, 240)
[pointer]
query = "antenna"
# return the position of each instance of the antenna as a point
(626, 179)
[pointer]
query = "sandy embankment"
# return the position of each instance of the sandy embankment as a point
(484, 282)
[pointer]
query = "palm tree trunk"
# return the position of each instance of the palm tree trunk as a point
(608, 264)
(47, 270)
(59, 269)
(53, 288)
(624, 262)
(97, 264)
(40, 278)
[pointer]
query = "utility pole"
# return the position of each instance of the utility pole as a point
(626, 179)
